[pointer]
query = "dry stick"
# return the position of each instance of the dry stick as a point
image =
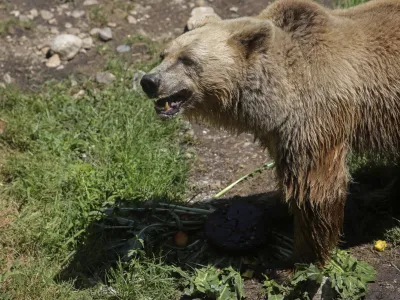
(262, 168)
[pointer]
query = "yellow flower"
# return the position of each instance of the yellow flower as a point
(380, 245)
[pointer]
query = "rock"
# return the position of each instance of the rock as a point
(199, 14)
(133, 12)
(15, 13)
(66, 45)
(79, 94)
(123, 48)
(120, 14)
(234, 9)
(112, 24)
(94, 31)
(33, 14)
(61, 67)
(73, 30)
(136, 80)
(83, 35)
(23, 18)
(46, 15)
(45, 50)
(87, 43)
(78, 14)
(131, 20)
(8, 79)
(52, 21)
(105, 77)
(64, 6)
(54, 30)
(68, 25)
(90, 2)
(105, 34)
(201, 3)
(53, 61)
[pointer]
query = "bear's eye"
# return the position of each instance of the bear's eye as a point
(186, 60)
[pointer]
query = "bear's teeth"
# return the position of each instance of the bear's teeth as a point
(166, 107)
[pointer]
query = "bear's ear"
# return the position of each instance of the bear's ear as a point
(252, 34)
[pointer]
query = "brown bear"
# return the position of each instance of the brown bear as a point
(312, 84)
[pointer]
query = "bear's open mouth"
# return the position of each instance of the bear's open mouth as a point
(169, 106)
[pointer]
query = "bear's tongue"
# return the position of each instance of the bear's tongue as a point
(168, 107)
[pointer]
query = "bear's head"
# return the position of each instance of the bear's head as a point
(202, 71)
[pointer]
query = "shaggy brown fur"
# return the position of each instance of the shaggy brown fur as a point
(311, 84)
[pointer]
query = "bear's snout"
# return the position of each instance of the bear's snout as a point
(150, 84)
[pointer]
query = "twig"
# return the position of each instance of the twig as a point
(394, 266)
(262, 168)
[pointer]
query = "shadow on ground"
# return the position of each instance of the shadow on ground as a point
(370, 210)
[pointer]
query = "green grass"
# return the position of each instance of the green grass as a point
(65, 158)
(99, 15)
(393, 235)
(7, 24)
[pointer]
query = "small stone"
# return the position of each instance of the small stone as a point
(112, 24)
(105, 77)
(79, 94)
(105, 34)
(120, 14)
(8, 79)
(61, 67)
(90, 2)
(66, 45)
(54, 30)
(83, 35)
(234, 9)
(45, 50)
(94, 31)
(78, 14)
(46, 15)
(68, 25)
(131, 20)
(199, 14)
(34, 13)
(136, 80)
(87, 43)
(201, 3)
(23, 18)
(189, 155)
(64, 6)
(15, 13)
(53, 61)
(123, 48)
(73, 30)
(52, 21)
(133, 12)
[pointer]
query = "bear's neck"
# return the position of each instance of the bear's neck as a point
(267, 92)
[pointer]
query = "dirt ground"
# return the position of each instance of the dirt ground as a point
(220, 158)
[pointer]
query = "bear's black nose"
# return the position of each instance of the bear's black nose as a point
(150, 84)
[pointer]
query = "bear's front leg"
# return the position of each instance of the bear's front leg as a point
(318, 197)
